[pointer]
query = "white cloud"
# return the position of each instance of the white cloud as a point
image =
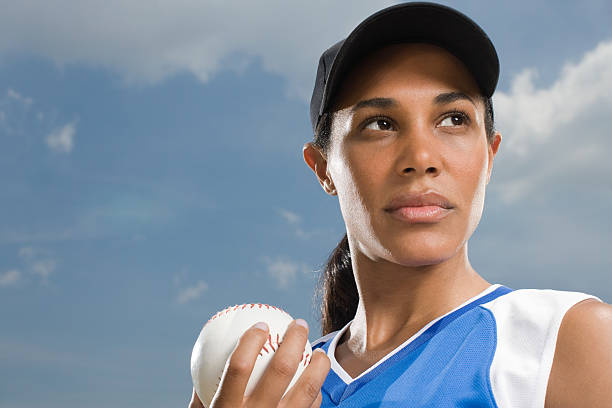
(27, 253)
(44, 267)
(556, 136)
(38, 262)
(289, 216)
(295, 220)
(62, 139)
(284, 271)
(192, 292)
(14, 112)
(9, 278)
(18, 97)
(533, 116)
(149, 42)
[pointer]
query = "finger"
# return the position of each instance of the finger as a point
(281, 369)
(195, 401)
(317, 402)
(307, 389)
(239, 367)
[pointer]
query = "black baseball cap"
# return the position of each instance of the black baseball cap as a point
(407, 22)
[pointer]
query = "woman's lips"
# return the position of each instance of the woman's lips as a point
(421, 214)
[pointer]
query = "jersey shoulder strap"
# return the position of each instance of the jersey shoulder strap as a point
(527, 323)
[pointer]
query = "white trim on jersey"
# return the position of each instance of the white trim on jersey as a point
(323, 340)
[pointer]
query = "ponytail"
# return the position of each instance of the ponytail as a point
(339, 291)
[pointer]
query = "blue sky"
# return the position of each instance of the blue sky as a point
(152, 174)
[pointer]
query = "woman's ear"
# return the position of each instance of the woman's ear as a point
(493, 147)
(316, 159)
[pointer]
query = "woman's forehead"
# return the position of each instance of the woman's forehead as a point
(405, 68)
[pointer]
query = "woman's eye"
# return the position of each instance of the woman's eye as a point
(380, 124)
(453, 120)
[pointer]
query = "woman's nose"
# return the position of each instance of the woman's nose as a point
(418, 153)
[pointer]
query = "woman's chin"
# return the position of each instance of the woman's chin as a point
(421, 254)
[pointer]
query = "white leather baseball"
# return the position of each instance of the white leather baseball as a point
(219, 337)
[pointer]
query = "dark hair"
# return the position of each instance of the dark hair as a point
(337, 285)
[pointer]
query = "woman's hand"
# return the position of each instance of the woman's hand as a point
(268, 392)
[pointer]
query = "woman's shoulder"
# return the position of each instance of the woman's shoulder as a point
(581, 374)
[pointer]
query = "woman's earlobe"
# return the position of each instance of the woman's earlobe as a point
(316, 160)
(329, 187)
(496, 142)
(493, 148)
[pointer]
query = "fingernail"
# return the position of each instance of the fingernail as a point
(261, 326)
(301, 322)
(319, 351)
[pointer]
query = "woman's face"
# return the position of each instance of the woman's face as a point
(408, 119)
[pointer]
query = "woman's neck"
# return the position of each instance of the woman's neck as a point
(396, 301)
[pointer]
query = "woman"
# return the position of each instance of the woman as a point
(404, 137)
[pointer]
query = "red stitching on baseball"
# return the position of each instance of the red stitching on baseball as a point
(270, 342)
(273, 344)
(305, 358)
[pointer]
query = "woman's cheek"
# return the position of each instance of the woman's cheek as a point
(475, 192)
(356, 182)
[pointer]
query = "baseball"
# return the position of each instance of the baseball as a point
(219, 337)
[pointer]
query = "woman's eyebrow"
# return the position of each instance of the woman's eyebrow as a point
(441, 99)
(449, 97)
(374, 103)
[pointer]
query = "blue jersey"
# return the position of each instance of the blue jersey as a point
(494, 350)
